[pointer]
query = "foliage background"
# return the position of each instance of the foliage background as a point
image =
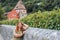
(46, 20)
(43, 13)
(31, 5)
(43, 5)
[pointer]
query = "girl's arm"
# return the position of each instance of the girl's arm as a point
(17, 35)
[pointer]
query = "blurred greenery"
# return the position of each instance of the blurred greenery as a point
(32, 5)
(9, 22)
(43, 5)
(1, 12)
(47, 20)
(6, 6)
(43, 13)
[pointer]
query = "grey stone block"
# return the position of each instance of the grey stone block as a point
(6, 33)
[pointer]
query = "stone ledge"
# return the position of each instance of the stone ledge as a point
(6, 32)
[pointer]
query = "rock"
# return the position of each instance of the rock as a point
(1, 38)
(6, 33)
(40, 34)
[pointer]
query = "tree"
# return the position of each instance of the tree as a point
(43, 5)
(1, 12)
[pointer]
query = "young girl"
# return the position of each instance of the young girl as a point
(19, 31)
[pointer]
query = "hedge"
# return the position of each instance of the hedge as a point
(47, 20)
(9, 22)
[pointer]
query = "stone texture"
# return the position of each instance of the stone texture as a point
(40, 34)
(1, 38)
(6, 33)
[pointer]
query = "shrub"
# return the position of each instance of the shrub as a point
(9, 22)
(47, 20)
(35, 5)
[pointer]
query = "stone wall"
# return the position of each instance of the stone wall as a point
(6, 33)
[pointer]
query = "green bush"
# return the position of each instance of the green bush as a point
(47, 20)
(9, 22)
